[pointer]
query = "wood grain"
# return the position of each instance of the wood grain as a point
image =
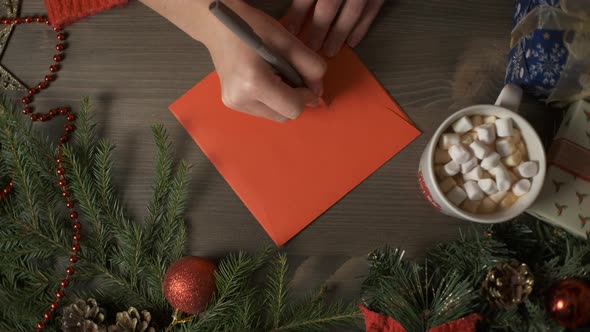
(434, 57)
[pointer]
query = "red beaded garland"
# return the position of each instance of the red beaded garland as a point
(68, 128)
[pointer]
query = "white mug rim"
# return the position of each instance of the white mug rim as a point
(489, 219)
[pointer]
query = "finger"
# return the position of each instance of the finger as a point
(262, 111)
(349, 16)
(283, 99)
(324, 13)
(296, 15)
(370, 12)
(308, 63)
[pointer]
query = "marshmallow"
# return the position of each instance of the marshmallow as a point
(470, 206)
(487, 206)
(513, 160)
(488, 186)
(473, 191)
(505, 147)
(528, 169)
(491, 161)
(459, 153)
(441, 156)
(479, 149)
(521, 187)
(468, 165)
(451, 168)
(477, 120)
(489, 119)
(508, 201)
(503, 180)
(448, 140)
(462, 125)
(486, 133)
(475, 174)
(457, 195)
(498, 197)
(468, 138)
(447, 184)
(504, 127)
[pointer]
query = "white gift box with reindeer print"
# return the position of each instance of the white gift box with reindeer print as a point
(565, 197)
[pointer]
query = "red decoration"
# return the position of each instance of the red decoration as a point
(568, 303)
(189, 284)
(375, 322)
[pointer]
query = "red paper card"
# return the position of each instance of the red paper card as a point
(289, 174)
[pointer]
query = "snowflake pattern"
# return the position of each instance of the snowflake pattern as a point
(548, 65)
(515, 70)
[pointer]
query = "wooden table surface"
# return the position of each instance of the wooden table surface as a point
(434, 57)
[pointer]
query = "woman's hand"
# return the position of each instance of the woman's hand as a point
(331, 25)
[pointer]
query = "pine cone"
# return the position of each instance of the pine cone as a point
(508, 284)
(83, 316)
(132, 321)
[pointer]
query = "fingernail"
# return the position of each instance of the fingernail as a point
(352, 41)
(314, 103)
(331, 50)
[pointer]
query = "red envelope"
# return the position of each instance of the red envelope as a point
(289, 174)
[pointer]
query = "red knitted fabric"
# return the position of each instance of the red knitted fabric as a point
(63, 12)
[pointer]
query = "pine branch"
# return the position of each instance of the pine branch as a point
(320, 317)
(276, 290)
(453, 298)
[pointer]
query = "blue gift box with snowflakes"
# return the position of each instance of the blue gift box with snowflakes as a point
(544, 57)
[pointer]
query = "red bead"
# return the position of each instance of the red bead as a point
(10, 184)
(64, 283)
(63, 111)
(53, 68)
(65, 193)
(49, 78)
(54, 305)
(74, 215)
(76, 247)
(77, 225)
(61, 36)
(56, 29)
(47, 315)
(39, 19)
(73, 259)
(18, 20)
(27, 110)
(5, 191)
(40, 325)
(71, 117)
(43, 117)
(34, 117)
(70, 270)
(61, 171)
(27, 100)
(42, 85)
(6, 21)
(60, 47)
(28, 19)
(70, 204)
(64, 138)
(70, 128)
(32, 91)
(57, 58)
(62, 182)
(59, 293)
(77, 236)
(47, 22)
(53, 112)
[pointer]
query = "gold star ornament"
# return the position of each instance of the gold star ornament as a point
(8, 81)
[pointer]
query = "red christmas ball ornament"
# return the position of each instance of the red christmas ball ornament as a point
(568, 303)
(189, 284)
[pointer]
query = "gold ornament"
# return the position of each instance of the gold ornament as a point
(508, 284)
